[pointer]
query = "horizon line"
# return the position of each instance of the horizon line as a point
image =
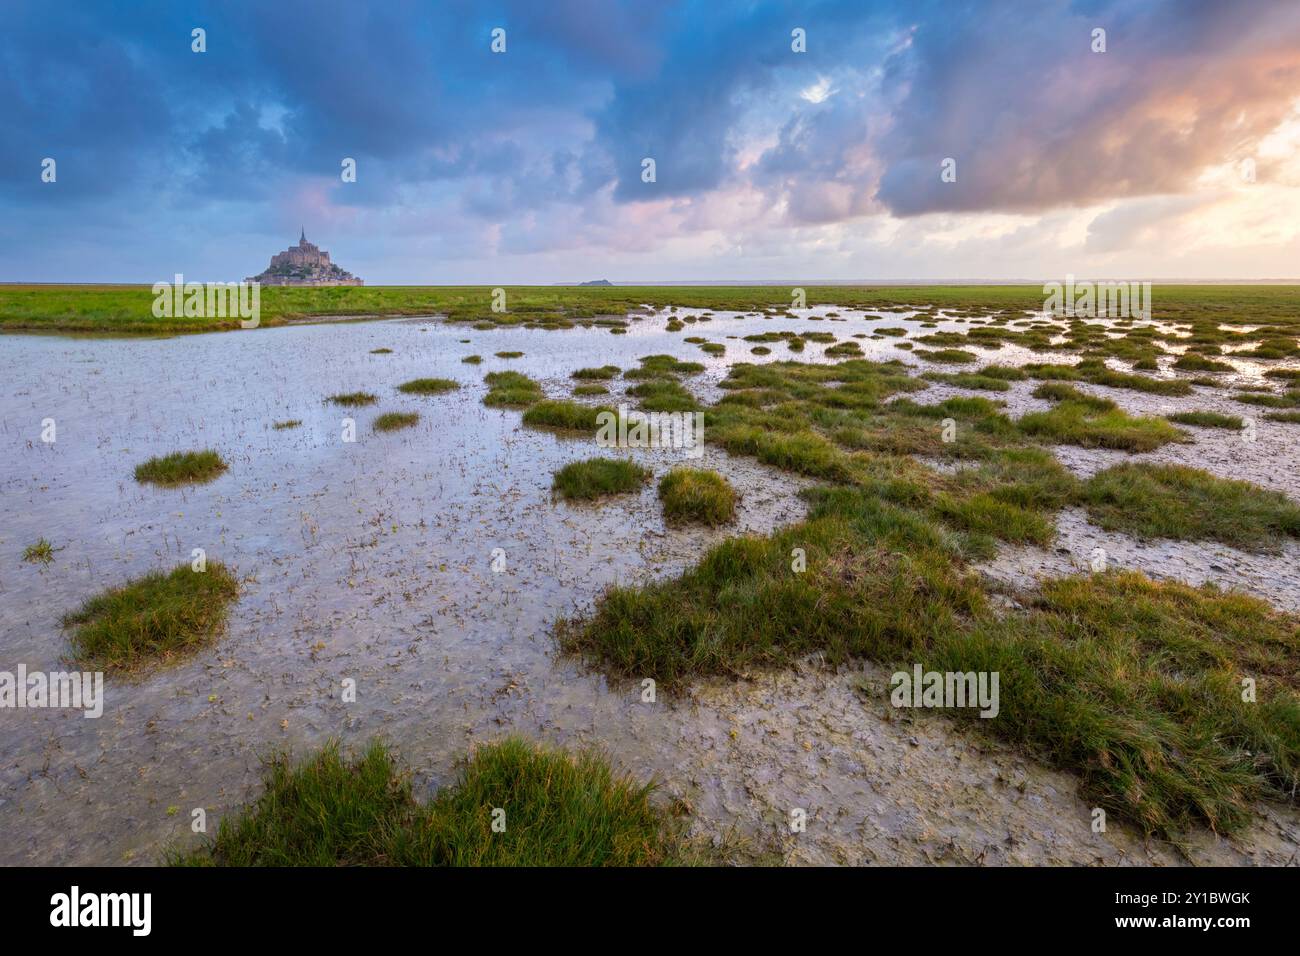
(597, 284)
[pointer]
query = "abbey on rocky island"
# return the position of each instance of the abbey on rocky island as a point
(304, 264)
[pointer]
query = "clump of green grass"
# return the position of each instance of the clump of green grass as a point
(1098, 374)
(509, 355)
(663, 395)
(598, 477)
(42, 552)
(287, 424)
(511, 390)
(1275, 349)
(1011, 494)
(713, 348)
(353, 399)
(563, 415)
(381, 351)
(662, 366)
(428, 386)
(392, 421)
(472, 360)
(560, 810)
(1205, 419)
(1007, 373)
(1060, 392)
(1268, 400)
(849, 349)
(1143, 684)
(1191, 362)
(180, 468)
(697, 495)
(1053, 372)
(951, 356)
(983, 513)
(603, 373)
(152, 618)
(1174, 501)
(1287, 417)
(1092, 422)
(1095, 371)
(973, 380)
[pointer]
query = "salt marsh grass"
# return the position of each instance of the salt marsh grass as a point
(599, 477)
(696, 495)
(152, 619)
(181, 468)
(555, 809)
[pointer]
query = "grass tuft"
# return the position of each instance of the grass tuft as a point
(1091, 422)
(564, 415)
(597, 477)
(663, 395)
(696, 495)
(392, 421)
(603, 373)
(152, 618)
(511, 390)
(1174, 501)
(42, 552)
(1192, 362)
(180, 468)
(948, 356)
(1206, 419)
(559, 810)
(353, 399)
(428, 386)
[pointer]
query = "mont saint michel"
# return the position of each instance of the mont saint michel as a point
(304, 264)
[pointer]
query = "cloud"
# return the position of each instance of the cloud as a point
(537, 153)
(1037, 120)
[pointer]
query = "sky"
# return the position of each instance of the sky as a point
(821, 140)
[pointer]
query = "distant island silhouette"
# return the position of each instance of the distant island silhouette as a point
(304, 264)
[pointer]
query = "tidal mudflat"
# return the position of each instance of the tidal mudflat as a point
(373, 561)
